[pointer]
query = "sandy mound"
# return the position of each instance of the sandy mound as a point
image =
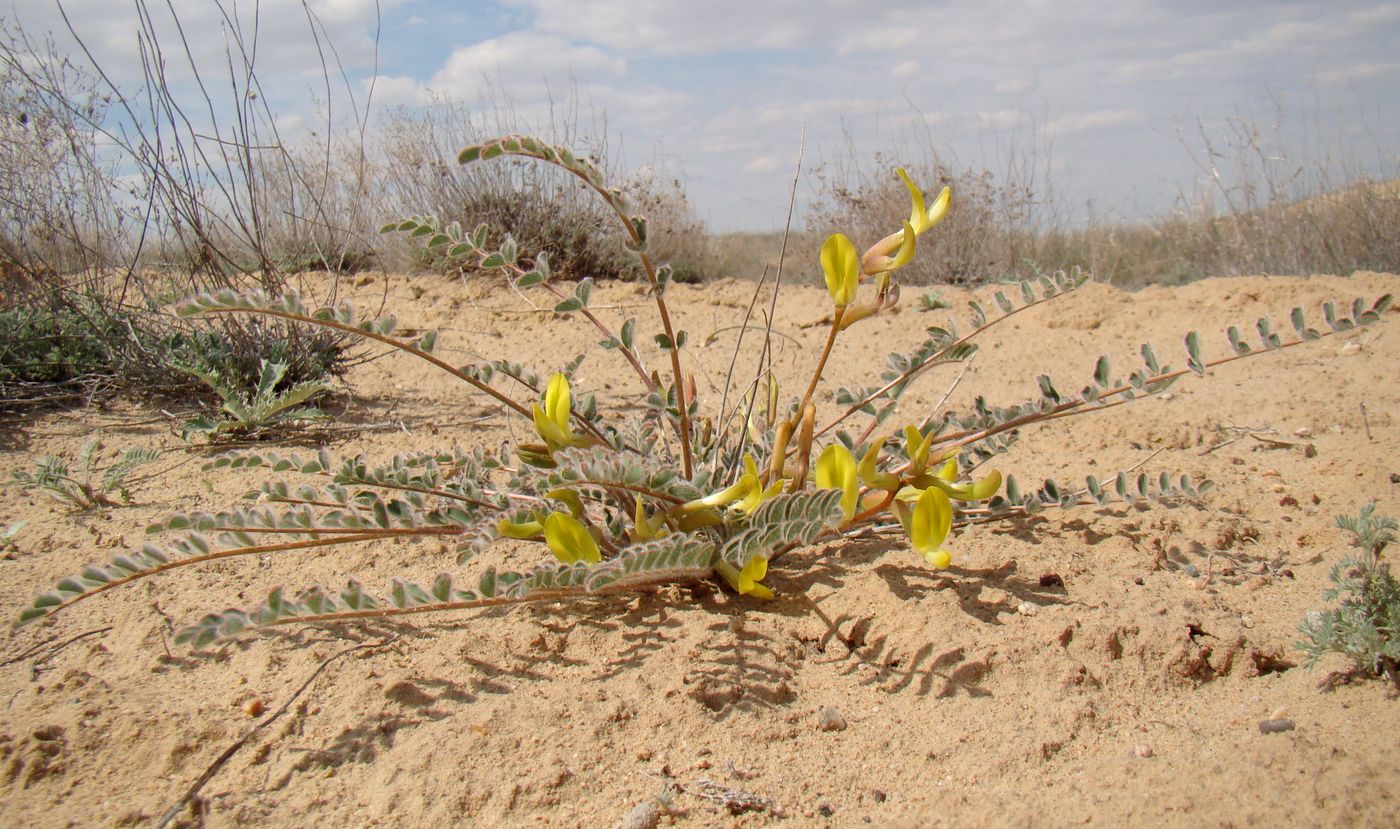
(1107, 667)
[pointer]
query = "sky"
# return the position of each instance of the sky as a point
(1114, 100)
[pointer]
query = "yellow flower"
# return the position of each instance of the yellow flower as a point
(746, 581)
(552, 422)
(748, 491)
(928, 523)
(870, 472)
(529, 528)
(921, 218)
(841, 265)
(569, 540)
(836, 469)
(879, 263)
(916, 445)
(568, 498)
(977, 490)
(644, 528)
(757, 495)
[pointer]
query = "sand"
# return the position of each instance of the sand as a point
(1101, 667)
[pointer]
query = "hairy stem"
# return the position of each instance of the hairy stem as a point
(363, 535)
(623, 585)
(821, 361)
(593, 179)
(603, 328)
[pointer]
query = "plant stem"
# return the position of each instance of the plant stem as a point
(602, 327)
(593, 178)
(364, 535)
(821, 363)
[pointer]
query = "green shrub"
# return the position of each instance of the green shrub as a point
(79, 340)
(55, 346)
(238, 354)
(271, 404)
(87, 485)
(1366, 625)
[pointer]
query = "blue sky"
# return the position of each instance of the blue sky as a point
(1113, 96)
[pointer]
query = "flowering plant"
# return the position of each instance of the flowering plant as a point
(679, 494)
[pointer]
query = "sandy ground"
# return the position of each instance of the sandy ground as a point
(1106, 667)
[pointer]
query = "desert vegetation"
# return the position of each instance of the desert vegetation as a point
(649, 455)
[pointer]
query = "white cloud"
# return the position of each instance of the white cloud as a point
(689, 28)
(904, 69)
(762, 164)
(1000, 118)
(279, 35)
(528, 70)
(1358, 72)
(526, 67)
(397, 90)
(280, 31)
(1098, 120)
(524, 57)
(347, 12)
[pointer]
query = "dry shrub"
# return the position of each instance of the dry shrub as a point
(60, 207)
(540, 207)
(1339, 231)
(1269, 206)
(743, 255)
(992, 232)
(108, 212)
(321, 206)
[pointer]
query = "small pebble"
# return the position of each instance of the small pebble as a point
(1138, 580)
(1191, 570)
(1142, 750)
(1309, 451)
(254, 707)
(879, 796)
(1052, 580)
(644, 754)
(1279, 713)
(1288, 501)
(1303, 432)
(1277, 726)
(825, 810)
(1395, 477)
(1027, 609)
(830, 719)
(1278, 488)
(645, 815)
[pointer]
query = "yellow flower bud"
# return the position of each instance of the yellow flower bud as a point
(841, 265)
(836, 469)
(569, 540)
